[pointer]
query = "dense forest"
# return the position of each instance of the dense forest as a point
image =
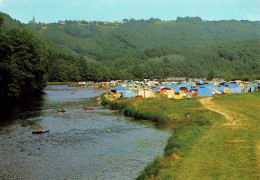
(106, 42)
(21, 63)
(31, 54)
(28, 60)
(154, 48)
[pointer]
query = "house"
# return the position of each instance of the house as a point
(62, 22)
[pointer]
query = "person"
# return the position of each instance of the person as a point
(40, 128)
(62, 109)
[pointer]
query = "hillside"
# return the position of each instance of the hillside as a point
(190, 47)
(105, 42)
(229, 60)
(28, 60)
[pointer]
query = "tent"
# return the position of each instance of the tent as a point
(201, 91)
(172, 94)
(120, 89)
(146, 93)
(184, 87)
(128, 94)
(233, 88)
(169, 87)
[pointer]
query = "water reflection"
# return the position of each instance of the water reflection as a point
(20, 111)
(78, 145)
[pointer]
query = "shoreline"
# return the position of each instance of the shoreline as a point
(191, 131)
(200, 136)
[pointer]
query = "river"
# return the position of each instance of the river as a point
(78, 145)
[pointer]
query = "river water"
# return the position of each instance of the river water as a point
(78, 145)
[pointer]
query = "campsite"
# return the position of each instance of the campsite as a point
(170, 88)
(214, 131)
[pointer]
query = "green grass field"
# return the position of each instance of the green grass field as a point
(204, 143)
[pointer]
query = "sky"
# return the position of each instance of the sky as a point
(116, 10)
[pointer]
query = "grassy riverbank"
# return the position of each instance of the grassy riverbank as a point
(204, 144)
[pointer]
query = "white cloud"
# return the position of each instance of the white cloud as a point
(1, 1)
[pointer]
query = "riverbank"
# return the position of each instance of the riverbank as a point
(205, 144)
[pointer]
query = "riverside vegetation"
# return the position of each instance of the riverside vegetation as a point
(204, 144)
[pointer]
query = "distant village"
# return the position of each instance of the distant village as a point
(174, 87)
(83, 22)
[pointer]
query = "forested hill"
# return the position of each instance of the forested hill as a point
(90, 51)
(28, 60)
(108, 41)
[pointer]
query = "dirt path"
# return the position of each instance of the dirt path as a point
(233, 118)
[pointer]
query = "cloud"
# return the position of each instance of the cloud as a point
(1, 1)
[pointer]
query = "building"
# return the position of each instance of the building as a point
(176, 79)
(62, 22)
(32, 21)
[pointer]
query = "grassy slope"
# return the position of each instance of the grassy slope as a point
(226, 150)
(204, 144)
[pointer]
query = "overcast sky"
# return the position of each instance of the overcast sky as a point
(110, 10)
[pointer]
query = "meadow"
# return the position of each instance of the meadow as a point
(204, 143)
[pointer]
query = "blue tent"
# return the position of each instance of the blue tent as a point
(237, 89)
(120, 89)
(184, 85)
(250, 88)
(172, 86)
(155, 89)
(203, 91)
(220, 88)
(257, 85)
(210, 86)
(128, 94)
(175, 88)
(233, 88)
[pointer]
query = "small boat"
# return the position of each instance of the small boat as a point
(40, 132)
(61, 111)
(72, 92)
(87, 108)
